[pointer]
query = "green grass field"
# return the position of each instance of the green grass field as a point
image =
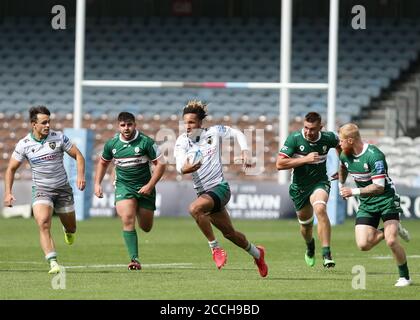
(177, 264)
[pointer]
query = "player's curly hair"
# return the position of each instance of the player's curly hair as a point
(197, 107)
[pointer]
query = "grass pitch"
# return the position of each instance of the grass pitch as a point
(177, 264)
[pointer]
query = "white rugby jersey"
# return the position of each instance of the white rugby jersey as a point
(45, 158)
(210, 173)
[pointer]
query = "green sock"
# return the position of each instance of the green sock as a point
(326, 251)
(130, 238)
(403, 271)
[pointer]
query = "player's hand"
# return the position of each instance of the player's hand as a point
(81, 183)
(312, 157)
(245, 159)
(8, 200)
(345, 192)
(146, 189)
(189, 167)
(98, 191)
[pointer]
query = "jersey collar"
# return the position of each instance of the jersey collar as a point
(365, 147)
(128, 141)
(319, 137)
(42, 141)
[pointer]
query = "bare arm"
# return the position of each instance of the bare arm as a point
(75, 153)
(370, 190)
(99, 176)
(290, 163)
(158, 172)
(8, 181)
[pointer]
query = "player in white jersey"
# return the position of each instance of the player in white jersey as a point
(44, 150)
(212, 190)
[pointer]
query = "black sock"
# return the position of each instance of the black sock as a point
(310, 248)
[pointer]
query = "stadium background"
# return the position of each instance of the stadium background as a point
(215, 41)
(208, 41)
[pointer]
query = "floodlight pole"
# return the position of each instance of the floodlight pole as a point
(285, 62)
(332, 64)
(79, 58)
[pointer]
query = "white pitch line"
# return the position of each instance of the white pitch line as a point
(150, 265)
(416, 256)
(153, 265)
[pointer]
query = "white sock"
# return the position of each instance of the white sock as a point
(51, 256)
(213, 244)
(253, 251)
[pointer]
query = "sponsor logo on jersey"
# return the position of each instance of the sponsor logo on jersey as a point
(379, 166)
(44, 158)
(284, 148)
(52, 145)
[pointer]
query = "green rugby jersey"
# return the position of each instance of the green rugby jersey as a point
(131, 158)
(297, 146)
(366, 167)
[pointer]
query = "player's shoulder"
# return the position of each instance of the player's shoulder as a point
(217, 128)
(145, 138)
(114, 140)
(374, 151)
(329, 135)
(182, 140)
(25, 140)
(56, 135)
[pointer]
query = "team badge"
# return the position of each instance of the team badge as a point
(324, 148)
(209, 140)
(52, 145)
(136, 149)
(114, 151)
(301, 148)
(346, 164)
(365, 166)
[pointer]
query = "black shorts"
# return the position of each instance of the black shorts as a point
(373, 221)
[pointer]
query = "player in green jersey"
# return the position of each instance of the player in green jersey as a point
(377, 196)
(132, 153)
(306, 153)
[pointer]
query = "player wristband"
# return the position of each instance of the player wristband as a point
(355, 191)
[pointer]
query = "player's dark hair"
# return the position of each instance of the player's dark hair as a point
(197, 107)
(34, 111)
(126, 117)
(313, 117)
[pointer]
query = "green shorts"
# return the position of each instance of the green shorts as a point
(386, 209)
(220, 195)
(123, 192)
(300, 195)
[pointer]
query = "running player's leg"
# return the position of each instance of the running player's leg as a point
(366, 233)
(64, 207)
(145, 219)
(391, 238)
(221, 220)
(126, 210)
(146, 207)
(306, 218)
(319, 199)
(42, 213)
(199, 210)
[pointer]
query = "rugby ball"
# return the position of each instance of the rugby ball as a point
(194, 156)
